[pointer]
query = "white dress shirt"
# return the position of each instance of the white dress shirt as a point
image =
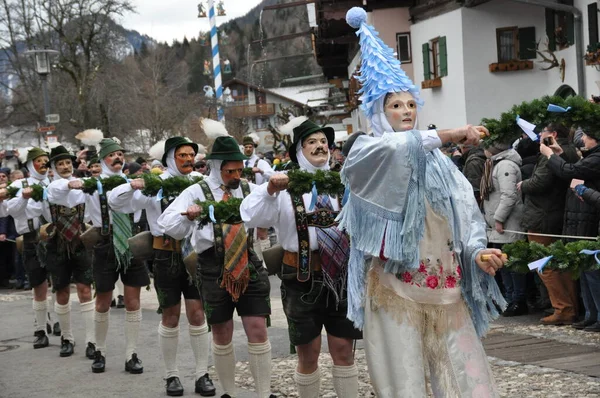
(178, 226)
(55, 192)
(3, 209)
(263, 165)
(124, 197)
(62, 195)
(22, 209)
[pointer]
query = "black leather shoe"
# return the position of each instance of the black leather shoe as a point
(90, 350)
(99, 363)
(225, 396)
(593, 328)
(205, 386)
(66, 348)
(134, 365)
(174, 387)
(582, 324)
(120, 302)
(48, 329)
(41, 340)
(516, 309)
(56, 329)
(113, 303)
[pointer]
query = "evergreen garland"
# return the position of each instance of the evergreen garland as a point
(225, 212)
(90, 185)
(566, 256)
(326, 182)
(247, 173)
(37, 195)
(171, 187)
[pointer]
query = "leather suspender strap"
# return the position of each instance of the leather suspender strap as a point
(25, 184)
(105, 229)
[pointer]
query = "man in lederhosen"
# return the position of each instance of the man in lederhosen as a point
(230, 275)
(66, 257)
(171, 278)
(28, 215)
(314, 269)
(112, 257)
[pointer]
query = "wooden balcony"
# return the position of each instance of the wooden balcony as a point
(241, 111)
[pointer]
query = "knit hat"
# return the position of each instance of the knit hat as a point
(497, 147)
(5, 171)
(93, 160)
(226, 148)
(156, 163)
(60, 153)
(304, 130)
(108, 146)
(35, 153)
(174, 143)
(133, 167)
(140, 160)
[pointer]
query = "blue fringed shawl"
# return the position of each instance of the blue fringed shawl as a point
(389, 179)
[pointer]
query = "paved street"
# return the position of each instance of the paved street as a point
(548, 362)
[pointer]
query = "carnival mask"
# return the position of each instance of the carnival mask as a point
(40, 164)
(401, 111)
(95, 169)
(248, 150)
(64, 168)
(184, 159)
(115, 161)
(231, 173)
(315, 149)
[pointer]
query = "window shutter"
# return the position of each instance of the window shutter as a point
(426, 66)
(570, 28)
(527, 43)
(443, 57)
(593, 22)
(550, 29)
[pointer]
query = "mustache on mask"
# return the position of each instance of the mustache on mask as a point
(319, 150)
(234, 184)
(188, 164)
(116, 162)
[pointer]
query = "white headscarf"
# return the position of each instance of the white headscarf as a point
(171, 165)
(33, 172)
(215, 172)
(107, 171)
(305, 164)
(58, 176)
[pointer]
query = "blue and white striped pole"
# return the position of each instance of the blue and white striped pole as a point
(216, 61)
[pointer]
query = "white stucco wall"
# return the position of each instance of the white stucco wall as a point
(489, 94)
(388, 22)
(444, 106)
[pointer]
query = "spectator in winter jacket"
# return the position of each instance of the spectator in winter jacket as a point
(581, 219)
(529, 151)
(503, 210)
(473, 162)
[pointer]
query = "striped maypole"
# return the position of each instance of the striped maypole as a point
(216, 61)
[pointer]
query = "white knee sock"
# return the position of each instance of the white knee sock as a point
(133, 319)
(345, 380)
(87, 312)
(308, 385)
(101, 330)
(224, 358)
(168, 340)
(40, 309)
(200, 339)
(63, 312)
(260, 367)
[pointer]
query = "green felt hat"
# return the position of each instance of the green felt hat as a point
(304, 130)
(93, 160)
(60, 153)
(226, 148)
(108, 146)
(174, 143)
(35, 153)
(248, 141)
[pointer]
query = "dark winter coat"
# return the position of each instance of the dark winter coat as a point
(581, 218)
(592, 197)
(545, 195)
(7, 227)
(474, 160)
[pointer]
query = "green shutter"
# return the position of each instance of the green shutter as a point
(426, 66)
(593, 23)
(527, 43)
(570, 28)
(443, 57)
(550, 30)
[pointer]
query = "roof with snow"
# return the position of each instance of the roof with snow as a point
(305, 94)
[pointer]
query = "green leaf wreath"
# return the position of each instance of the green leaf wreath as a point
(171, 187)
(326, 182)
(566, 256)
(225, 212)
(504, 129)
(37, 195)
(90, 185)
(247, 173)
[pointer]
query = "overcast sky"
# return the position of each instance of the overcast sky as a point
(166, 20)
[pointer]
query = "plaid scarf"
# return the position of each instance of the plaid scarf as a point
(487, 184)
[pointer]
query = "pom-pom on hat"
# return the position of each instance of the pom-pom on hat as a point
(380, 71)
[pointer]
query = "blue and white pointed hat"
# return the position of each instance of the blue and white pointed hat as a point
(380, 71)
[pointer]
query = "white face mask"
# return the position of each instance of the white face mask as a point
(401, 111)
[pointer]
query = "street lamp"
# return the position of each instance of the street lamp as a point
(42, 68)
